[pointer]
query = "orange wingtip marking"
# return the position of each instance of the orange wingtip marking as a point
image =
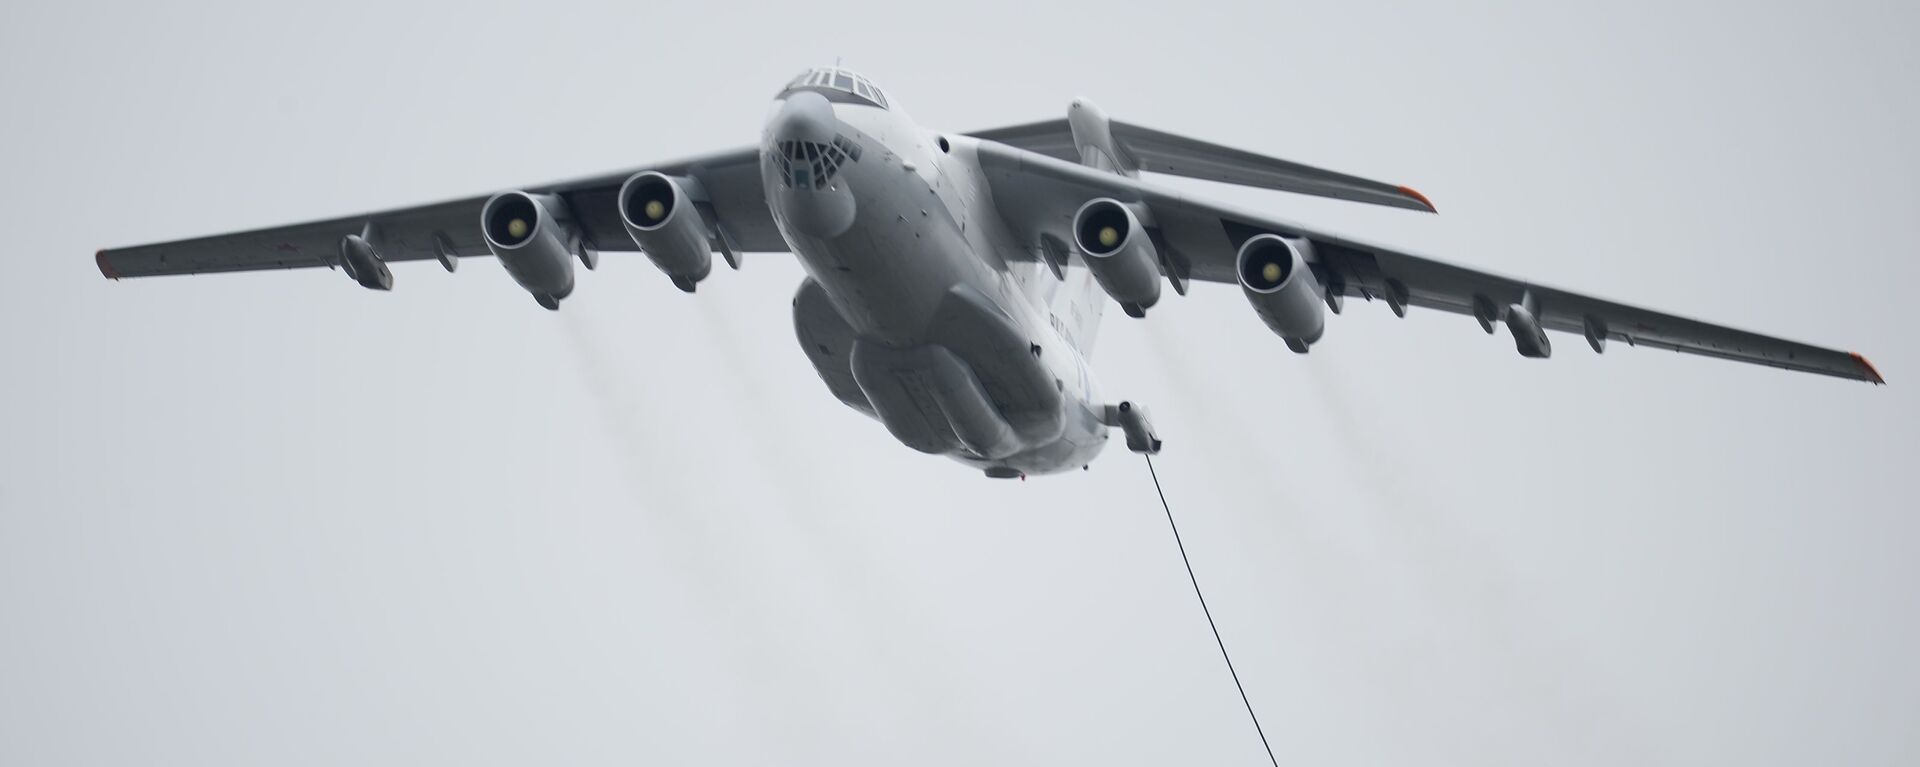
(1869, 366)
(106, 268)
(1415, 194)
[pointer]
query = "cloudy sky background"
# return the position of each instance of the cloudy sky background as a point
(275, 518)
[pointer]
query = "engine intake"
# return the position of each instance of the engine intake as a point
(1119, 253)
(664, 221)
(534, 239)
(1277, 280)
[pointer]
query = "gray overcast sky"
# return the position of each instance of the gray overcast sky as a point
(278, 519)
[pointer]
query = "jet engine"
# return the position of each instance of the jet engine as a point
(534, 238)
(1119, 253)
(664, 222)
(1275, 276)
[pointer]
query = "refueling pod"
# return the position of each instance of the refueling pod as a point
(1275, 275)
(667, 225)
(1119, 253)
(1133, 423)
(362, 262)
(1523, 319)
(533, 237)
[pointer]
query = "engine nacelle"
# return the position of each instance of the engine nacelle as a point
(534, 238)
(667, 226)
(1119, 253)
(361, 262)
(1274, 274)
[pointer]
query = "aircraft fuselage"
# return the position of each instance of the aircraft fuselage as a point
(911, 312)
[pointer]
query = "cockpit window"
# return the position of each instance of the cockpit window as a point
(807, 165)
(839, 85)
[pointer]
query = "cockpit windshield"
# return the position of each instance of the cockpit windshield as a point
(839, 85)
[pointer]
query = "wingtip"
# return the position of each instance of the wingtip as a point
(1415, 194)
(106, 267)
(1872, 374)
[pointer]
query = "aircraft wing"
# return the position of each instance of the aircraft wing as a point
(731, 180)
(1039, 194)
(1175, 155)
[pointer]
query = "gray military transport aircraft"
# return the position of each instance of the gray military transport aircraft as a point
(956, 282)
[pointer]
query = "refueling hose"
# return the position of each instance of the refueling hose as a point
(1209, 613)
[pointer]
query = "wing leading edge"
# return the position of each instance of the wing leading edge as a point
(1175, 155)
(1039, 194)
(731, 179)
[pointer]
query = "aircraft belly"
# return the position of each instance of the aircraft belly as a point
(931, 336)
(1005, 358)
(979, 391)
(931, 401)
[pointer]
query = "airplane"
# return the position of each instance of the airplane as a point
(955, 282)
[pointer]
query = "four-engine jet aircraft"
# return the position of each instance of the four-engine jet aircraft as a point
(955, 282)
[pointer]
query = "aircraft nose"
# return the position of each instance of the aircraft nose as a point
(814, 202)
(806, 116)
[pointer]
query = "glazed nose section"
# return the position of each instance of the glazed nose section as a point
(805, 116)
(809, 162)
